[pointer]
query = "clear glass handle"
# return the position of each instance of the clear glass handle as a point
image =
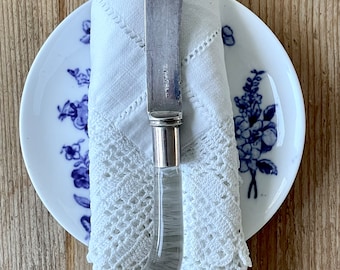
(167, 246)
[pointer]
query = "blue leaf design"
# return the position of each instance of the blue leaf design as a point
(86, 222)
(73, 72)
(247, 87)
(266, 166)
(269, 112)
(255, 71)
(82, 201)
(255, 112)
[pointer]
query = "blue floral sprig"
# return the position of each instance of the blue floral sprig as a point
(77, 111)
(80, 176)
(256, 133)
(83, 79)
(80, 173)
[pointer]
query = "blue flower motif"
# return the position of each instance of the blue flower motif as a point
(77, 111)
(72, 152)
(255, 131)
(87, 29)
(81, 177)
(228, 36)
(81, 78)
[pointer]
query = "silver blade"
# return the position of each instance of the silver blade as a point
(162, 26)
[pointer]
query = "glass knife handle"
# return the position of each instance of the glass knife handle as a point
(167, 243)
(167, 246)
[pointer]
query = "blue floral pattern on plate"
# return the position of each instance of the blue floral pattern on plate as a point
(77, 112)
(255, 130)
(256, 133)
(82, 78)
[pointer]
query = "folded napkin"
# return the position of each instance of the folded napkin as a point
(120, 142)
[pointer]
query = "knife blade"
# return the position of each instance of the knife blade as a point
(162, 26)
(164, 106)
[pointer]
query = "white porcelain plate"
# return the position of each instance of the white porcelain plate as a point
(268, 107)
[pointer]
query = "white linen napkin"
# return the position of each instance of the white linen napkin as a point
(120, 142)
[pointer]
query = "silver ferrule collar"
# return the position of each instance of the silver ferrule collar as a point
(166, 144)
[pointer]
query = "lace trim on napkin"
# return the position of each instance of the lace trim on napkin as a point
(124, 216)
(211, 201)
